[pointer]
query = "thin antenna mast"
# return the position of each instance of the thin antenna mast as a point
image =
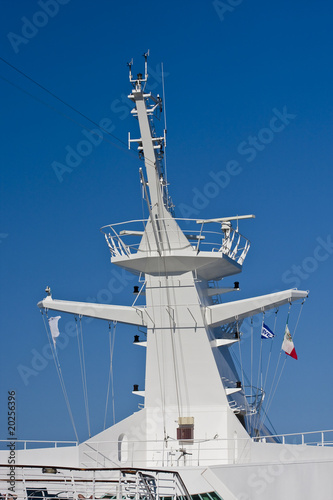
(145, 55)
(169, 201)
(165, 123)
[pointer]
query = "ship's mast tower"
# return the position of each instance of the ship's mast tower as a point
(186, 360)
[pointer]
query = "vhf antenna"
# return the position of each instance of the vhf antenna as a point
(145, 55)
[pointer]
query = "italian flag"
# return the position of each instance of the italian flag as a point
(288, 344)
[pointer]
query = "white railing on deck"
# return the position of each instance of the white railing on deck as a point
(190, 453)
(311, 438)
(25, 444)
(124, 238)
(164, 453)
(36, 483)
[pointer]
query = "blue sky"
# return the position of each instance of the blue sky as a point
(229, 77)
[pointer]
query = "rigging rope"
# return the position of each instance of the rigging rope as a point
(270, 351)
(124, 145)
(238, 363)
(251, 381)
(270, 400)
(260, 359)
(172, 329)
(270, 423)
(276, 369)
(241, 362)
(110, 380)
(59, 372)
(251, 352)
(277, 383)
(299, 316)
(165, 130)
(83, 371)
(160, 355)
(162, 391)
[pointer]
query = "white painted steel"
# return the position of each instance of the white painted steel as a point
(123, 314)
(221, 314)
(226, 219)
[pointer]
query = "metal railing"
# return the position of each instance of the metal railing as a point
(189, 453)
(37, 483)
(311, 438)
(123, 238)
(171, 453)
(24, 444)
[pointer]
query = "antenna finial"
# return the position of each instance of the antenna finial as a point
(145, 55)
(129, 65)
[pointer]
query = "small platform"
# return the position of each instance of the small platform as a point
(208, 265)
(213, 254)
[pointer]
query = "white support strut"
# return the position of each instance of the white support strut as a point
(123, 314)
(220, 314)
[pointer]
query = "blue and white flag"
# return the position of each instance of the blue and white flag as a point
(266, 333)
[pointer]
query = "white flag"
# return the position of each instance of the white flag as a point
(53, 322)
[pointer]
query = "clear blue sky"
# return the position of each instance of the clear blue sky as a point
(229, 77)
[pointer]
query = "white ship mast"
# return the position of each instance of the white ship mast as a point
(198, 434)
(189, 372)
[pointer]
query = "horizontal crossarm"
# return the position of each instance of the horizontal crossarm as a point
(220, 314)
(123, 314)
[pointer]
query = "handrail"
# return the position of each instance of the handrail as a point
(39, 441)
(296, 434)
(230, 243)
(36, 481)
(207, 440)
(210, 451)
